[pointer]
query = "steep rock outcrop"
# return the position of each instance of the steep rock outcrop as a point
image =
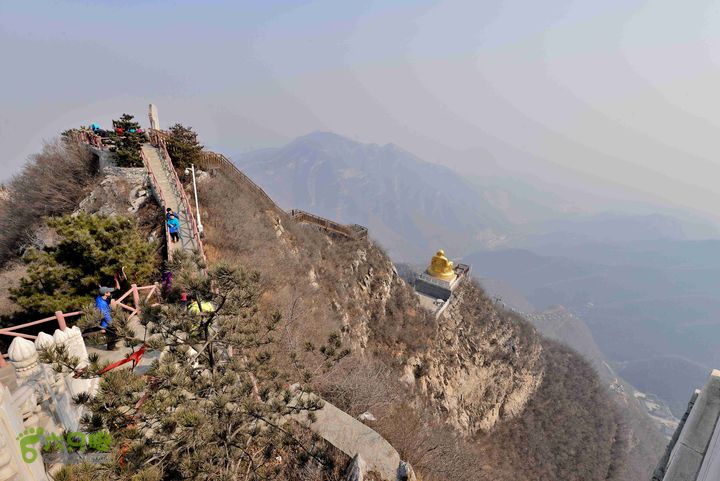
(121, 191)
(481, 368)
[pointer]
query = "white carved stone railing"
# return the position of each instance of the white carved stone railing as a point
(12, 465)
(44, 341)
(37, 380)
(25, 400)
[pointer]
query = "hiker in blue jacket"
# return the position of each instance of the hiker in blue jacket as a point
(102, 302)
(174, 228)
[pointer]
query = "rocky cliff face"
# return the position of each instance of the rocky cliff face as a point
(480, 369)
(121, 191)
(473, 367)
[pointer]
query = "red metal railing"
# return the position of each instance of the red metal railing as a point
(61, 317)
(157, 138)
(91, 138)
(209, 160)
(165, 157)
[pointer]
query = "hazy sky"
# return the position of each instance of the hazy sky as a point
(570, 91)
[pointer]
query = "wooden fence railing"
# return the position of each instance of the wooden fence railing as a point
(353, 231)
(213, 160)
(60, 318)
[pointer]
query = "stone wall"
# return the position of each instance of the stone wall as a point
(695, 454)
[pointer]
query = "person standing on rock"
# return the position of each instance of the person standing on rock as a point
(174, 228)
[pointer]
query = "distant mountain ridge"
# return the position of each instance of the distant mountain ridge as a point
(396, 194)
(414, 207)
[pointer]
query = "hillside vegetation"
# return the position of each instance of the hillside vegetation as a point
(90, 250)
(52, 183)
(566, 428)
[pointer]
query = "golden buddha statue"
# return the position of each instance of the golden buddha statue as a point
(441, 267)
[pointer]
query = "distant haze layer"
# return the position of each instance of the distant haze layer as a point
(613, 101)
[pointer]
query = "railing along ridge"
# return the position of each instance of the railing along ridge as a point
(155, 186)
(209, 159)
(213, 159)
(354, 231)
(60, 317)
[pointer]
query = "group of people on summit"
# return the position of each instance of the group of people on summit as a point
(104, 133)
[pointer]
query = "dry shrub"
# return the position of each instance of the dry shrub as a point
(10, 276)
(357, 385)
(52, 183)
(301, 268)
(329, 466)
(434, 450)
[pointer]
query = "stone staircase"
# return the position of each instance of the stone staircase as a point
(168, 190)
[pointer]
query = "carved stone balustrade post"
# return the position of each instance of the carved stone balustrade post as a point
(44, 341)
(24, 358)
(73, 341)
(76, 346)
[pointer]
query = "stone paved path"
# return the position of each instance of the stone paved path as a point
(354, 438)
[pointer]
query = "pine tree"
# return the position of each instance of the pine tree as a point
(90, 250)
(183, 146)
(128, 144)
(215, 405)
